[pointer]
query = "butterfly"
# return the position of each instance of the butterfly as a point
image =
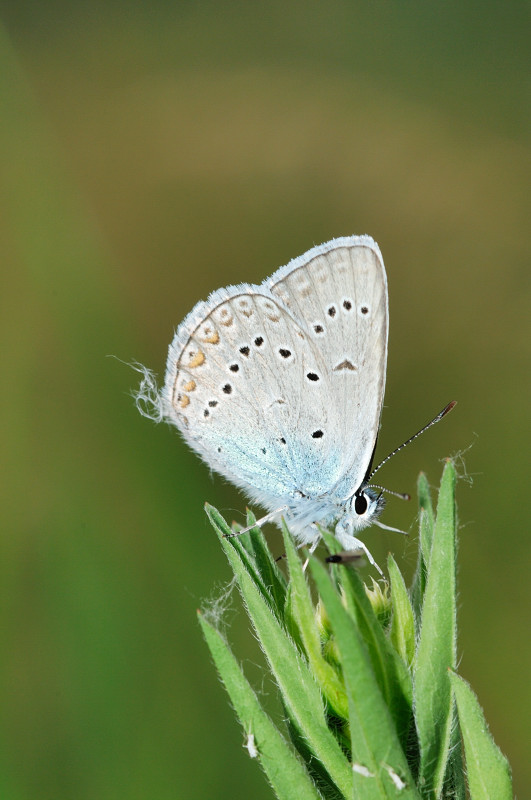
(279, 388)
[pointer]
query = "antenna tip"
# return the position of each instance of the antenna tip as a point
(448, 408)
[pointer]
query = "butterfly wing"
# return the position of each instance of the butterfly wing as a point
(338, 294)
(233, 388)
(268, 399)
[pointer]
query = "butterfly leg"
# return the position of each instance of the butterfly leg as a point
(353, 547)
(311, 551)
(314, 542)
(258, 523)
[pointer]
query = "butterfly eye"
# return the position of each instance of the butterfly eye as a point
(360, 504)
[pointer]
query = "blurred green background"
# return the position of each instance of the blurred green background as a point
(151, 152)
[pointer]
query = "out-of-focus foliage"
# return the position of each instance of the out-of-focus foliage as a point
(149, 153)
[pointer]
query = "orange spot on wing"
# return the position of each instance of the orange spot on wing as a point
(197, 360)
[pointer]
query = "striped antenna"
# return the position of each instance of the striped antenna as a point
(446, 410)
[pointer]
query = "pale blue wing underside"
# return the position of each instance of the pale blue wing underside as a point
(279, 387)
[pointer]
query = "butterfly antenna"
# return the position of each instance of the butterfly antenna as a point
(446, 410)
(401, 495)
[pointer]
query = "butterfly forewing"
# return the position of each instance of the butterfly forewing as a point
(338, 294)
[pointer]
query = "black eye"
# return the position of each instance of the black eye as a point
(360, 504)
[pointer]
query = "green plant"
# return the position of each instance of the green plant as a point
(367, 679)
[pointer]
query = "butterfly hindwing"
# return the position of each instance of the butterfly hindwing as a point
(232, 389)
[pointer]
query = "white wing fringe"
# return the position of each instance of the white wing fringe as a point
(148, 398)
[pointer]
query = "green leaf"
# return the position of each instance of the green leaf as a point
(402, 632)
(243, 546)
(390, 671)
(266, 565)
(488, 771)
(426, 525)
(426, 530)
(376, 751)
(289, 619)
(303, 613)
(436, 650)
(454, 780)
(300, 692)
(284, 769)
